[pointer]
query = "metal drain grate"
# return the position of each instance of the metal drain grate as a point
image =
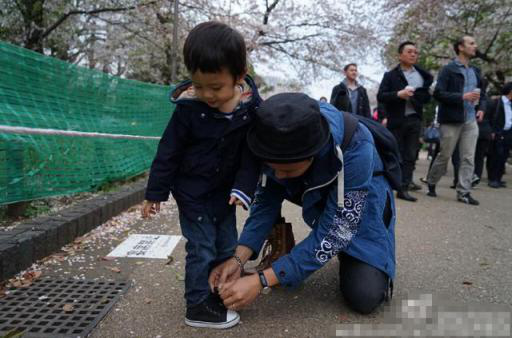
(38, 310)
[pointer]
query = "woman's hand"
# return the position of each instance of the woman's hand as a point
(226, 272)
(241, 292)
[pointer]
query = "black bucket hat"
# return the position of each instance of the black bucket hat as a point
(288, 127)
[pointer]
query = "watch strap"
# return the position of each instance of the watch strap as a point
(263, 279)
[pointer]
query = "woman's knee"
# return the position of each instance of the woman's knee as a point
(363, 299)
(363, 286)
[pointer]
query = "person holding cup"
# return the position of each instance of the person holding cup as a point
(462, 103)
(403, 91)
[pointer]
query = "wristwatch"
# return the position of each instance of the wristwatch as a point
(266, 289)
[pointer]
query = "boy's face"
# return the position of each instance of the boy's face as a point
(215, 89)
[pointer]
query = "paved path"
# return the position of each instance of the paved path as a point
(443, 247)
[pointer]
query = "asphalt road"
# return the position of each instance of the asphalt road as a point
(458, 253)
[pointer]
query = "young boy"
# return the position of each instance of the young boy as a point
(204, 160)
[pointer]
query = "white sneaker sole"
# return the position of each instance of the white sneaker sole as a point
(210, 325)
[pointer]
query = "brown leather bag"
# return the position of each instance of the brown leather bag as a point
(279, 243)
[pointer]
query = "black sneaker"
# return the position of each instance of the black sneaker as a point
(494, 184)
(475, 180)
(413, 187)
(466, 198)
(404, 195)
(211, 314)
(432, 190)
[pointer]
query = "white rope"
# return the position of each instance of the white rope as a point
(41, 131)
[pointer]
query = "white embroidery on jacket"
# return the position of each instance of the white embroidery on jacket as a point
(345, 224)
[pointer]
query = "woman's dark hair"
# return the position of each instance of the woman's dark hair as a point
(211, 46)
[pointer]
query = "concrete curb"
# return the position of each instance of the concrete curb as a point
(43, 236)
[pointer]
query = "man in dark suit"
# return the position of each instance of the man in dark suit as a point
(502, 143)
(403, 92)
(349, 95)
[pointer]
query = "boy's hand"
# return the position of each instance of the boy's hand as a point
(235, 201)
(150, 208)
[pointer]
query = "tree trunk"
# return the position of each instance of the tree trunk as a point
(33, 17)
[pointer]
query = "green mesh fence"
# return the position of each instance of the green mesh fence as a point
(42, 92)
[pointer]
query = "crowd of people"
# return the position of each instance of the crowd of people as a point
(224, 146)
(472, 128)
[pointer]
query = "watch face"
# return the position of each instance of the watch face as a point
(266, 290)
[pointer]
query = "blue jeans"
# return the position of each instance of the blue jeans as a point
(210, 241)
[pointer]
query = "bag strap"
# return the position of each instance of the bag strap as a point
(350, 125)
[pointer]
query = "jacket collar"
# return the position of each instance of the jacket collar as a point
(427, 77)
(345, 82)
(455, 66)
(184, 93)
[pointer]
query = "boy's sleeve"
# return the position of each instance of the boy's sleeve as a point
(264, 212)
(247, 177)
(167, 159)
(336, 226)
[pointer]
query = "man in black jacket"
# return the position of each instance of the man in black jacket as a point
(460, 107)
(349, 95)
(403, 91)
(502, 143)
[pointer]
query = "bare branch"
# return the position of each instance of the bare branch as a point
(91, 12)
(275, 42)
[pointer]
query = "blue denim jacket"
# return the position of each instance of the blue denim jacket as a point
(356, 226)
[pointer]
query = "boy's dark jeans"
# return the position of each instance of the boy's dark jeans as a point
(210, 241)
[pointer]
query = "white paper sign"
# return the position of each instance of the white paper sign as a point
(146, 246)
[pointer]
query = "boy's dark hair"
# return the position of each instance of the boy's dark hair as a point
(348, 66)
(211, 46)
(403, 44)
(507, 88)
(458, 42)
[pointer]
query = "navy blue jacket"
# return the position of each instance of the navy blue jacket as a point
(449, 91)
(203, 157)
(394, 81)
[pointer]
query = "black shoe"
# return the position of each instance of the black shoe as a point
(424, 180)
(404, 195)
(475, 180)
(211, 314)
(432, 190)
(494, 184)
(413, 187)
(453, 186)
(466, 198)
(503, 184)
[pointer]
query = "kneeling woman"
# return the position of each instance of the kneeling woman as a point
(350, 209)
